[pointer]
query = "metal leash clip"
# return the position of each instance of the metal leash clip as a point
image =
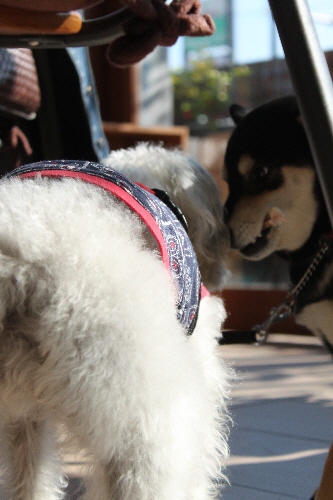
(279, 313)
(285, 310)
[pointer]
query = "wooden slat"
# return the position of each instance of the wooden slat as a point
(248, 307)
(123, 135)
(26, 22)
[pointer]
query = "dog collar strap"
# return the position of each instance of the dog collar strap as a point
(175, 247)
(163, 195)
(119, 193)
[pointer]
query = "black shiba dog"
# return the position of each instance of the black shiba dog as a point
(276, 205)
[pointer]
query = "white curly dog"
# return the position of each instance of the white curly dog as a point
(90, 340)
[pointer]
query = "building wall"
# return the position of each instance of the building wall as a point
(266, 80)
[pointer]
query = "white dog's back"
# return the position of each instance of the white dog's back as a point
(90, 339)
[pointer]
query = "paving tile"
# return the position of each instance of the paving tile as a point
(294, 417)
(283, 413)
(281, 465)
(281, 370)
(240, 493)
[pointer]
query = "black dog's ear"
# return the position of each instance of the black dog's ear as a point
(237, 113)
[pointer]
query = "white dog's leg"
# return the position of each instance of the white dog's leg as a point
(160, 438)
(32, 467)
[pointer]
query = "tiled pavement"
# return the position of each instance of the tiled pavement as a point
(283, 414)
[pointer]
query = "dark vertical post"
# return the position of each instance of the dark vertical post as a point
(312, 84)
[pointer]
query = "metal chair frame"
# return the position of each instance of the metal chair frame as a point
(312, 85)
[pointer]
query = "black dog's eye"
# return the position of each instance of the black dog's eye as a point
(259, 172)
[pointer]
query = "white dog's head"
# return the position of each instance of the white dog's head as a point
(193, 190)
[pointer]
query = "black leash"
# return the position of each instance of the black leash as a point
(259, 333)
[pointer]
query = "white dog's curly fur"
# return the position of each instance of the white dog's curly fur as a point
(89, 339)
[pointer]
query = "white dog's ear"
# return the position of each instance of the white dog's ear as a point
(194, 191)
(237, 113)
(201, 202)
